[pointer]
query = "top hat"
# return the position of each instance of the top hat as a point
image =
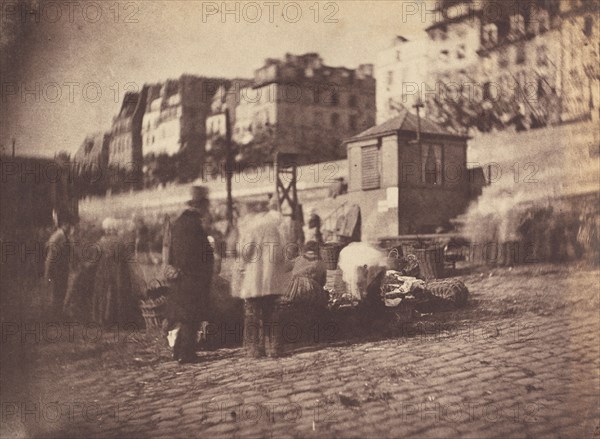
(199, 196)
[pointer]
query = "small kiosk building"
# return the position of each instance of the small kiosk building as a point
(408, 175)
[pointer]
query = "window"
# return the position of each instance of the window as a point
(517, 25)
(460, 52)
(542, 56)
(352, 101)
(490, 34)
(541, 88)
(335, 119)
(353, 122)
(390, 77)
(487, 91)
(520, 54)
(398, 55)
(316, 96)
(444, 56)
(88, 147)
(370, 167)
(335, 98)
(588, 27)
(431, 164)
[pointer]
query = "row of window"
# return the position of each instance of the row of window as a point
(521, 56)
(334, 122)
(120, 145)
(492, 33)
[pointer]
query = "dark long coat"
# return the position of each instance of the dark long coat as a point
(193, 255)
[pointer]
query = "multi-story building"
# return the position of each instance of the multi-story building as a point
(91, 164)
(401, 72)
(125, 150)
(176, 112)
(298, 104)
(535, 60)
(580, 61)
(227, 96)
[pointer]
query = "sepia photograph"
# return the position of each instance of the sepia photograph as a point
(300, 219)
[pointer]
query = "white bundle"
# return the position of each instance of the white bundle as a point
(359, 254)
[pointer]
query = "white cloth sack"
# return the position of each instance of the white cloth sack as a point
(358, 254)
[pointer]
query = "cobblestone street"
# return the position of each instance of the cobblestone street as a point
(521, 361)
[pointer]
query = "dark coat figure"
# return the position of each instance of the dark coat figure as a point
(57, 269)
(192, 256)
(314, 228)
(113, 300)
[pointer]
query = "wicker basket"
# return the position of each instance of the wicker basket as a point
(452, 291)
(153, 311)
(330, 253)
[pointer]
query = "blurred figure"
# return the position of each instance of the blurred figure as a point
(56, 269)
(314, 227)
(262, 272)
(113, 299)
(166, 240)
(191, 262)
(142, 239)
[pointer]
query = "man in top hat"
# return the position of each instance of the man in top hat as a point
(192, 258)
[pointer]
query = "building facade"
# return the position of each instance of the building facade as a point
(91, 164)
(125, 149)
(175, 115)
(401, 70)
(298, 104)
(534, 62)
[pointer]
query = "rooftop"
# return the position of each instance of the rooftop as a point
(406, 122)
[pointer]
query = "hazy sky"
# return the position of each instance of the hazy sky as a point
(73, 66)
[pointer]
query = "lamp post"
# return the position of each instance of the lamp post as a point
(228, 170)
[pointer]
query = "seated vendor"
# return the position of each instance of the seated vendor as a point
(308, 278)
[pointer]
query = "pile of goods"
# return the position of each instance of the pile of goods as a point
(396, 289)
(399, 290)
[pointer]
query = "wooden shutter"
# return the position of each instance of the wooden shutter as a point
(370, 167)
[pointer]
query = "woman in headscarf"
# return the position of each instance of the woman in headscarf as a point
(308, 278)
(113, 298)
(304, 304)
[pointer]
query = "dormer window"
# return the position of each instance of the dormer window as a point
(517, 25)
(490, 34)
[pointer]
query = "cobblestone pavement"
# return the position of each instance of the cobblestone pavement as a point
(523, 369)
